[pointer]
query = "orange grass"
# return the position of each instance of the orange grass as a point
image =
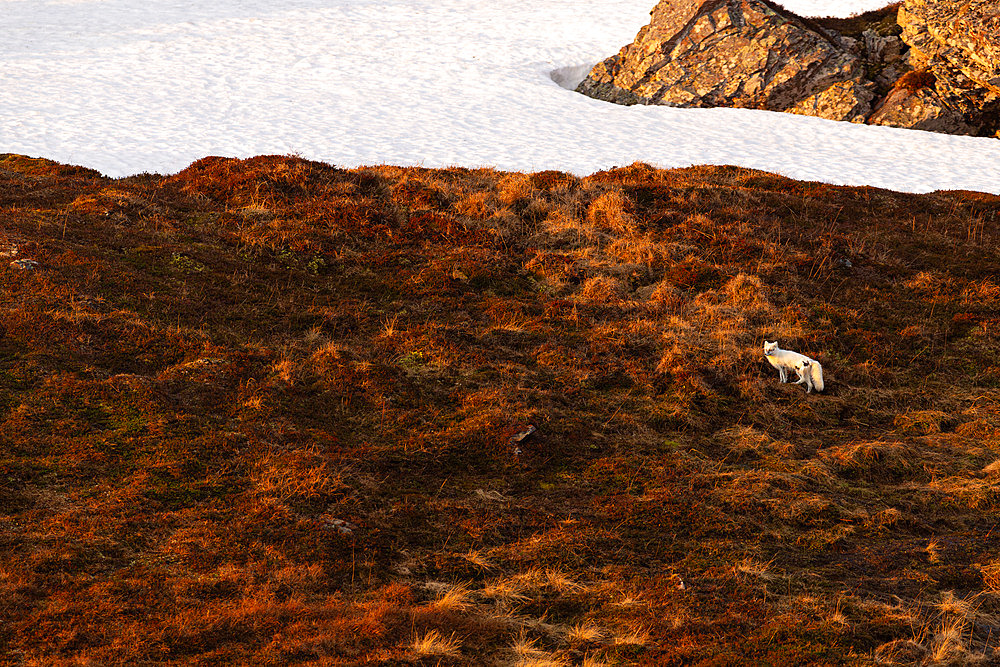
(262, 411)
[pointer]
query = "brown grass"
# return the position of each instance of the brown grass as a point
(432, 643)
(915, 80)
(261, 411)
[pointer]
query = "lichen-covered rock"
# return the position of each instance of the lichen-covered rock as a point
(737, 53)
(755, 54)
(847, 100)
(963, 33)
(920, 109)
(959, 42)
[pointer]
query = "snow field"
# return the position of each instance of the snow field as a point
(126, 86)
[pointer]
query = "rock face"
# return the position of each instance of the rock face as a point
(958, 42)
(938, 69)
(920, 108)
(738, 53)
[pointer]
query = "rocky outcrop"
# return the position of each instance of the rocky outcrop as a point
(739, 53)
(936, 67)
(921, 109)
(958, 42)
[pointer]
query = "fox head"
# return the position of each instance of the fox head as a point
(769, 348)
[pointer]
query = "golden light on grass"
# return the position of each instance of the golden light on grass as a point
(603, 289)
(456, 597)
(530, 655)
(476, 557)
(301, 474)
(390, 326)
(285, 370)
(754, 568)
(948, 640)
(525, 647)
(584, 633)
(621, 313)
(633, 637)
(508, 322)
(991, 575)
(950, 604)
(838, 617)
(628, 601)
(504, 591)
(432, 643)
(933, 550)
(547, 578)
(551, 660)
(920, 422)
(611, 210)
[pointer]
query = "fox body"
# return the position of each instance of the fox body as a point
(810, 371)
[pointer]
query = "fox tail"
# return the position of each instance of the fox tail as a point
(817, 375)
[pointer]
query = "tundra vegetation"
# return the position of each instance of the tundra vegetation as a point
(262, 412)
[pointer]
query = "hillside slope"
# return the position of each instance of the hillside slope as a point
(267, 411)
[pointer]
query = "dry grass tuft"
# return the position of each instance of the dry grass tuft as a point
(584, 633)
(873, 459)
(298, 475)
(603, 289)
(962, 607)
(552, 579)
(432, 643)
(666, 297)
(456, 597)
(746, 441)
(476, 557)
(754, 568)
(505, 592)
(948, 640)
(920, 422)
(933, 550)
(900, 652)
(530, 655)
(613, 211)
(638, 637)
(991, 575)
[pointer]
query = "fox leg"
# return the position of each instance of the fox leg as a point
(782, 374)
(807, 377)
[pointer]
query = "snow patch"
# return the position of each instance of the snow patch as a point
(130, 86)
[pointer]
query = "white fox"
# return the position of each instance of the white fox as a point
(809, 370)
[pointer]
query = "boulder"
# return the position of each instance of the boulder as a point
(958, 42)
(737, 53)
(921, 109)
(933, 65)
(846, 100)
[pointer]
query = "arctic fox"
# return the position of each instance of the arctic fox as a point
(809, 370)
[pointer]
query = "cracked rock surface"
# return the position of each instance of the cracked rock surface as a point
(958, 42)
(755, 54)
(739, 53)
